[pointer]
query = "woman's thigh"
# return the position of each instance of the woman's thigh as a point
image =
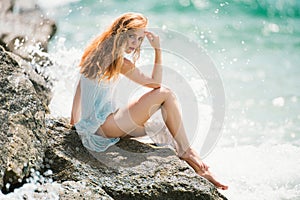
(130, 120)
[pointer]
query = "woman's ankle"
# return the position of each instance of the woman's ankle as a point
(186, 153)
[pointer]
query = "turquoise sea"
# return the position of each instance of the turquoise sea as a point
(255, 45)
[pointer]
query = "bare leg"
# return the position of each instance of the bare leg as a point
(129, 119)
(193, 159)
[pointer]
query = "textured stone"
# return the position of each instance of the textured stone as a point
(22, 129)
(41, 85)
(82, 190)
(127, 170)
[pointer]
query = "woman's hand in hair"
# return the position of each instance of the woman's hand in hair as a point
(153, 39)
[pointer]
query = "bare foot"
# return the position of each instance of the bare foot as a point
(193, 159)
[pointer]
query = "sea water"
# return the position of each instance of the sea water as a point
(255, 45)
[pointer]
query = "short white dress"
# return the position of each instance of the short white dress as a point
(97, 103)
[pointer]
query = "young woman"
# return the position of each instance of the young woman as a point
(98, 121)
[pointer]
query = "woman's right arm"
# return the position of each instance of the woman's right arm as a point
(76, 108)
(133, 73)
(157, 68)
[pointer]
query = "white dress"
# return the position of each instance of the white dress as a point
(96, 104)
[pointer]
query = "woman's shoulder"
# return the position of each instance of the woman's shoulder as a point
(87, 81)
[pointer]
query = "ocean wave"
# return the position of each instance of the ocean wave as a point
(54, 3)
(267, 8)
(267, 171)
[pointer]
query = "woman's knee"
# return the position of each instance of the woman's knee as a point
(164, 91)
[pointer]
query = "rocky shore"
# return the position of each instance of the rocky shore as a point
(33, 143)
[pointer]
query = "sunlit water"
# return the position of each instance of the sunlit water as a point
(255, 46)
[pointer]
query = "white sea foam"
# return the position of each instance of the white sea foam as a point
(53, 3)
(34, 191)
(267, 171)
(65, 75)
(38, 186)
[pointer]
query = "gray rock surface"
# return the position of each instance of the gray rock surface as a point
(40, 84)
(68, 190)
(22, 129)
(127, 170)
(80, 190)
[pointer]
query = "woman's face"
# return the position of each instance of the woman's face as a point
(134, 40)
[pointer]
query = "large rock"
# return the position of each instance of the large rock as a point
(23, 26)
(22, 129)
(41, 85)
(127, 170)
(66, 191)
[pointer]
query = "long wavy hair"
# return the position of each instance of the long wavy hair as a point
(103, 58)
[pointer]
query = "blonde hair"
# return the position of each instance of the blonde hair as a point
(103, 58)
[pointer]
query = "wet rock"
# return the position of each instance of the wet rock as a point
(52, 191)
(40, 84)
(24, 28)
(127, 170)
(81, 189)
(68, 190)
(22, 125)
(6, 6)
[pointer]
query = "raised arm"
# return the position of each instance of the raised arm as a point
(157, 69)
(133, 73)
(76, 108)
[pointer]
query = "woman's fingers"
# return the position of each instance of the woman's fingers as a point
(153, 39)
(150, 36)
